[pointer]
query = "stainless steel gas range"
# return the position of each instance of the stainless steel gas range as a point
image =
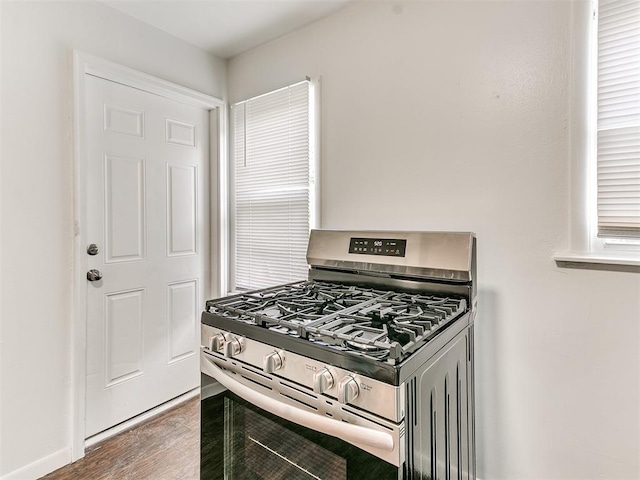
(363, 371)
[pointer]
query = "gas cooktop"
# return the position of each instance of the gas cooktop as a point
(379, 325)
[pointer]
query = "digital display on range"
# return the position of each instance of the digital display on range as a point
(378, 246)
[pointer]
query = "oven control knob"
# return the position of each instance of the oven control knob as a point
(233, 347)
(216, 342)
(272, 362)
(348, 390)
(322, 381)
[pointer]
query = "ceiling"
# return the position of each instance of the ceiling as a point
(228, 27)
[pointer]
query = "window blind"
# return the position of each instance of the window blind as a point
(272, 174)
(618, 120)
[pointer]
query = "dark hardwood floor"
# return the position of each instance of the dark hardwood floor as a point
(165, 447)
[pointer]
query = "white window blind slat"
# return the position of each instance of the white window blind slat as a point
(618, 121)
(272, 187)
(615, 10)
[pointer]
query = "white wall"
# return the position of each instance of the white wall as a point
(455, 116)
(37, 203)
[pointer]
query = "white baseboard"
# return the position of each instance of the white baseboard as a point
(121, 427)
(41, 467)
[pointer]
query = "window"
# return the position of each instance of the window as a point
(273, 186)
(618, 121)
(605, 136)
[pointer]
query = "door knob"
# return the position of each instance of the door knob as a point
(94, 275)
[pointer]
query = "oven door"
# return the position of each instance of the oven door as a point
(241, 441)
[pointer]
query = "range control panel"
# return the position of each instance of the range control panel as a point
(378, 246)
(235, 352)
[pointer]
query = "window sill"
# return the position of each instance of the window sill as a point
(594, 261)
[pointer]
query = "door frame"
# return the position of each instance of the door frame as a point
(85, 64)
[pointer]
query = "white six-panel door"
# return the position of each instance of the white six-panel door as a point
(148, 215)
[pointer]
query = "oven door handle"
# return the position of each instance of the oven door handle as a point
(345, 431)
